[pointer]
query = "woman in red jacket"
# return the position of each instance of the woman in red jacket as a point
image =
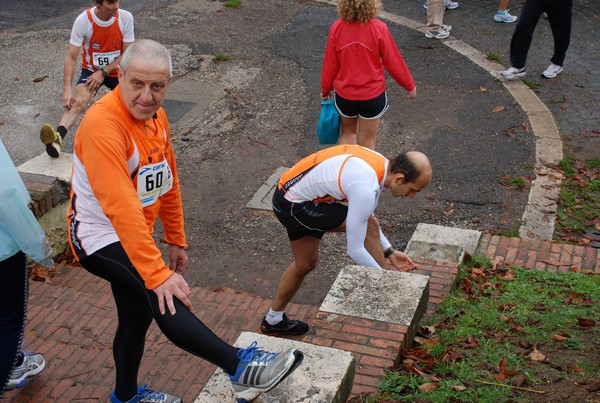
(359, 47)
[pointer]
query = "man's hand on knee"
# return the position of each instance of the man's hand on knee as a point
(174, 286)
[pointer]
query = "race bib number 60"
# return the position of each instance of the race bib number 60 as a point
(154, 180)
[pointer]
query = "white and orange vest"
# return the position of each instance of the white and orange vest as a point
(317, 177)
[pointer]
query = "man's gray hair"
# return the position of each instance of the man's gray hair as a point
(146, 49)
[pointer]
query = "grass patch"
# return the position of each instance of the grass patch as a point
(233, 4)
(511, 233)
(502, 335)
(559, 100)
(534, 85)
(493, 57)
(579, 201)
(514, 183)
(219, 57)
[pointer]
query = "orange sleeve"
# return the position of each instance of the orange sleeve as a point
(104, 150)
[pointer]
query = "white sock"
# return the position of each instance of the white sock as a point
(274, 317)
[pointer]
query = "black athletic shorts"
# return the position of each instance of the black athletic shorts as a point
(110, 82)
(369, 109)
(308, 218)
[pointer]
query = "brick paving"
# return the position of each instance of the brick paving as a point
(72, 321)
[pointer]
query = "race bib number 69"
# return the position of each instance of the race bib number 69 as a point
(103, 59)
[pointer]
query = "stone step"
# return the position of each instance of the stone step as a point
(379, 295)
(446, 244)
(325, 375)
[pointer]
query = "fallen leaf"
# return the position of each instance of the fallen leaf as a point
(576, 368)
(428, 387)
(585, 322)
(593, 387)
(499, 377)
(558, 337)
(535, 355)
(38, 79)
(525, 344)
(504, 370)
(2, 122)
(508, 276)
(425, 341)
(498, 108)
(471, 343)
(449, 210)
(505, 318)
(482, 89)
(458, 388)
(477, 272)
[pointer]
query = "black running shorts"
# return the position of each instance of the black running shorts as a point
(308, 218)
(369, 109)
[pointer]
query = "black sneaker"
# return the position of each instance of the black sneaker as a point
(286, 326)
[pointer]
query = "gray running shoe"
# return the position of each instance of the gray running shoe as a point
(439, 34)
(145, 395)
(505, 17)
(32, 365)
(260, 371)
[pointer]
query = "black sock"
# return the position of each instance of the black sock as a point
(62, 131)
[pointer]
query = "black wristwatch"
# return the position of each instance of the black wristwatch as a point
(388, 252)
(104, 73)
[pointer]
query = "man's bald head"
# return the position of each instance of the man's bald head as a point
(412, 164)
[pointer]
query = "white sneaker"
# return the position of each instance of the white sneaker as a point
(513, 72)
(449, 4)
(552, 71)
(446, 28)
(439, 34)
(32, 365)
(504, 17)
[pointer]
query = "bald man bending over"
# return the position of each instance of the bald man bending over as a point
(309, 201)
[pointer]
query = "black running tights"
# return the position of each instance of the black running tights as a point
(13, 310)
(136, 307)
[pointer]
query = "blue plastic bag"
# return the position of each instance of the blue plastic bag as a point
(328, 129)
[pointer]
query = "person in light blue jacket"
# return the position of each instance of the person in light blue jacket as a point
(20, 236)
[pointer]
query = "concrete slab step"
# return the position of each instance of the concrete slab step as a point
(325, 375)
(43, 164)
(440, 243)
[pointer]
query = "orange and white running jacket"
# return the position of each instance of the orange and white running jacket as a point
(124, 177)
(342, 173)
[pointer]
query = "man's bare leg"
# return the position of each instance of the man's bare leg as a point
(306, 252)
